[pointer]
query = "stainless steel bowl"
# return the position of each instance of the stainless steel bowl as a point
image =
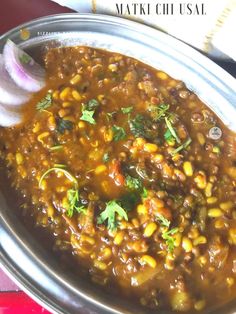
(25, 259)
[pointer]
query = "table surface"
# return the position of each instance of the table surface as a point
(13, 13)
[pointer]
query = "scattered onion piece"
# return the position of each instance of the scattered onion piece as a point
(11, 94)
(145, 275)
(27, 74)
(9, 118)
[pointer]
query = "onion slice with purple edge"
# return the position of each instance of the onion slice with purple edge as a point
(11, 94)
(26, 73)
(9, 118)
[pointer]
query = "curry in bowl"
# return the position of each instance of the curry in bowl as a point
(133, 178)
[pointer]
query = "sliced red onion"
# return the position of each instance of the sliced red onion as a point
(11, 94)
(9, 118)
(27, 74)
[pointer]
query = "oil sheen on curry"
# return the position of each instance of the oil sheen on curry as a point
(132, 176)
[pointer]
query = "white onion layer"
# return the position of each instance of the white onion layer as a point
(26, 73)
(10, 93)
(9, 118)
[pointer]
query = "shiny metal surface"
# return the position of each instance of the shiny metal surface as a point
(33, 268)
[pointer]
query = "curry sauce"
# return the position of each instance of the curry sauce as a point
(132, 175)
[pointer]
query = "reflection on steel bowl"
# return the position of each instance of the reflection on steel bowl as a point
(117, 174)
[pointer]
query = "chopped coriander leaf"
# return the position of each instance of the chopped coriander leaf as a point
(168, 136)
(25, 59)
(109, 115)
(130, 200)
(159, 112)
(142, 126)
(168, 237)
(133, 183)
(105, 157)
(127, 110)
(92, 104)
(172, 130)
(87, 116)
(137, 126)
(56, 147)
(73, 203)
(164, 222)
(109, 214)
(45, 102)
(181, 147)
(88, 111)
(118, 133)
(172, 117)
(144, 193)
(63, 125)
(59, 166)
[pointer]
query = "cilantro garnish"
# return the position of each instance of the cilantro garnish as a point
(168, 136)
(144, 193)
(61, 166)
(56, 147)
(141, 126)
(164, 222)
(112, 209)
(63, 125)
(133, 183)
(25, 59)
(167, 234)
(87, 115)
(88, 111)
(105, 157)
(92, 104)
(109, 115)
(74, 203)
(118, 133)
(168, 237)
(127, 110)
(159, 112)
(172, 130)
(181, 147)
(130, 200)
(45, 102)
